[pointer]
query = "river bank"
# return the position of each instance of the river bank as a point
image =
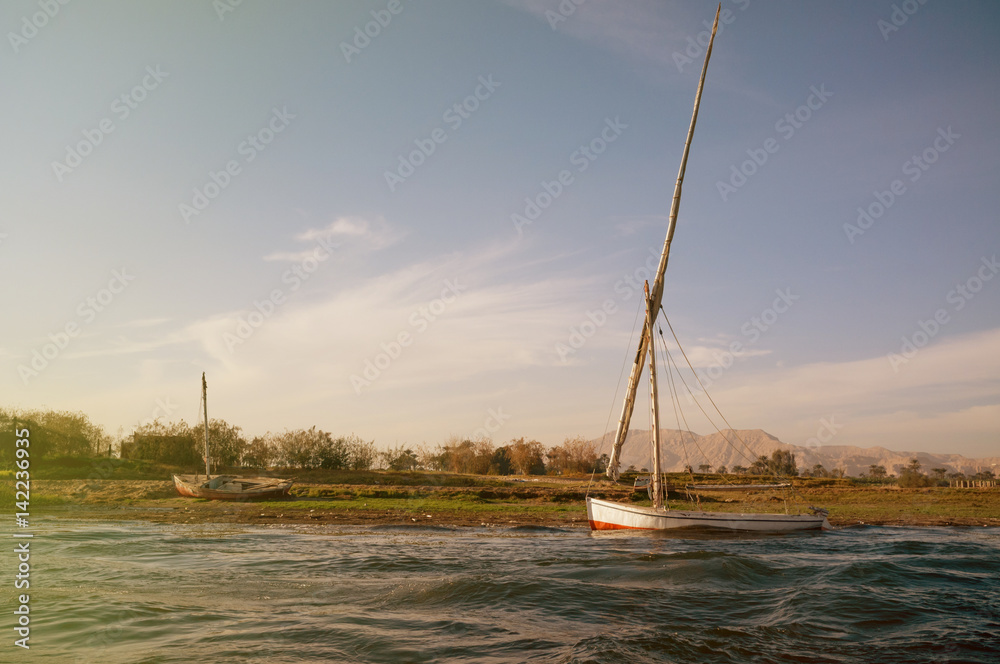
(550, 502)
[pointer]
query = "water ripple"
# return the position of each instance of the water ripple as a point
(173, 593)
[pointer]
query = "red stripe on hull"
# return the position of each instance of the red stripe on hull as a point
(600, 525)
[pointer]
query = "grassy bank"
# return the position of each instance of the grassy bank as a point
(451, 499)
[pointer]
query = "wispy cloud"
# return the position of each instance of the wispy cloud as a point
(361, 234)
(637, 30)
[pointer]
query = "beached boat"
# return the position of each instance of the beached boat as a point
(230, 487)
(227, 487)
(610, 515)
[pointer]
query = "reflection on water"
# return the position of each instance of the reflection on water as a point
(138, 592)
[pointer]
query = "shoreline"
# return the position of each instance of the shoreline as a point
(554, 505)
(274, 515)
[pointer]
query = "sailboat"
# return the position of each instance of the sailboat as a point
(227, 487)
(610, 515)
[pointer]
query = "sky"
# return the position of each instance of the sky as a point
(421, 219)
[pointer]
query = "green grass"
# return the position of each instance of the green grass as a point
(435, 492)
(423, 505)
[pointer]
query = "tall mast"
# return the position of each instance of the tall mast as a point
(204, 402)
(654, 401)
(656, 296)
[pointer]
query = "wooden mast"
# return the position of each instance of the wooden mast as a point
(656, 296)
(654, 404)
(204, 402)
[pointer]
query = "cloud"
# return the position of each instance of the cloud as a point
(361, 234)
(944, 396)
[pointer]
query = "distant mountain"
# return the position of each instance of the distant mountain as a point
(682, 447)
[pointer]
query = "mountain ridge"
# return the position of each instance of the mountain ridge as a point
(679, 448)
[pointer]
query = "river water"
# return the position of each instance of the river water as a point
(138, 592)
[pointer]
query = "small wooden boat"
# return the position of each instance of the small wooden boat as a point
(227, 487)
(230, 487)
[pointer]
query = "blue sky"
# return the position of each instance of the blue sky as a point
(226, 188)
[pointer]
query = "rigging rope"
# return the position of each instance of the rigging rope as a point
(773, 470)
(675, 397)
(702, 409)
(753, 456)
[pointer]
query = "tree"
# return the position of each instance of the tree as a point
(781, 463)
(462, 456)
(819, 471)
(911, 477)
(704, 468)
(430, 459)
(171, 443)
(526, 457)
(759, 466)
(721, 470)
(225, 442)
(294, 449)
(259, 453)
(361, 454)
(575, 455)
(877, 472)
(483, 450)
(500, 463)
(739, 470)
(53, 433)
(399, 458)
(328, 453)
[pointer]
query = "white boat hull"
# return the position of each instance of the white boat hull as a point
(607, 515)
